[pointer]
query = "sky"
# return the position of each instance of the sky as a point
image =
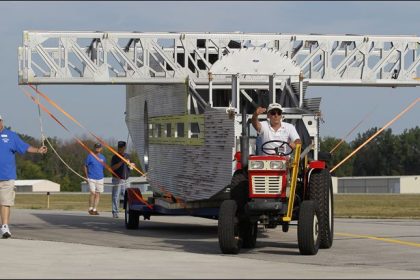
(100, 108)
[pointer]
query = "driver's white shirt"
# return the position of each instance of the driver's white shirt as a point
(287, 133)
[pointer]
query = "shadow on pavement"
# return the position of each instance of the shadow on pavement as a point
(109, 232)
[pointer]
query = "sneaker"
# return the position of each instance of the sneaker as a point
(91, 212)
(5, 232)
(115, 215)
(95, 212)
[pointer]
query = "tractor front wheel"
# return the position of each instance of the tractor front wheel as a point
(308, 228)
(228, 228)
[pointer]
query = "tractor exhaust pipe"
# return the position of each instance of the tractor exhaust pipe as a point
(244, 138)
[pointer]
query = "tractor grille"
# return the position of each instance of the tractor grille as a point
(266, 184)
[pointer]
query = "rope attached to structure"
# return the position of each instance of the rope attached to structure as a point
(80, 125)
(179, 200)
(377, 133)
(350, 132)
(40, 106)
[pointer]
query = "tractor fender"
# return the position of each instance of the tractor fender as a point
(315, 165)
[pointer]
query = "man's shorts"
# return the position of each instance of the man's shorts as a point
(7, 193)
(96, 185)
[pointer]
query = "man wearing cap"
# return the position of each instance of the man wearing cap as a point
(122, 169)
(10, 143)
(94, 171)
(275, 129)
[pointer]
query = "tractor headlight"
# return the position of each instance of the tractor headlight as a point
(256, 164)
(277, 164)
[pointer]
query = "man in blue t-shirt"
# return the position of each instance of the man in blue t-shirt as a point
(94, 171)
(10, 143)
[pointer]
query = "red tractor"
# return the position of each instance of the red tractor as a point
(276, 189)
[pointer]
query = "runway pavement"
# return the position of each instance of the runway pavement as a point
(72, 244)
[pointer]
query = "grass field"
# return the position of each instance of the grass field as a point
(345, 205)
(377, 206)
(60, 201)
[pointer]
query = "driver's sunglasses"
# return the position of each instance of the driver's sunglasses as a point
(274, 112)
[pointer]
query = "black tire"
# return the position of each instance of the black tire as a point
(238, 177)
(228, 228)
(239, 189)
(131, 217)
(248, 232)
(308, 228)
(320, 191)
(285, 227)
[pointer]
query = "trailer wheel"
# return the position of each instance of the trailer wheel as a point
(320, 191)
(248, 233)
(131, 217)
(308, 228)
(228, 228)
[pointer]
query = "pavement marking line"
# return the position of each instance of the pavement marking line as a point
(413, 244)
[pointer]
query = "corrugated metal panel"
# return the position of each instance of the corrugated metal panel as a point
(296, 88)
(312, 104)
(188, 172)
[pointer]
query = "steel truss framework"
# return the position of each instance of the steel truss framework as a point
(153, 58)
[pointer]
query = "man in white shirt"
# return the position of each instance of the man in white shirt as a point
(275, 129)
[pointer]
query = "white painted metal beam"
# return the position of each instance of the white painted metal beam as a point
(327, 60)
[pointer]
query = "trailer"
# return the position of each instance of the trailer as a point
(189, 101)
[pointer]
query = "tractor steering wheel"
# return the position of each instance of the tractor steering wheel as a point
(276, 149)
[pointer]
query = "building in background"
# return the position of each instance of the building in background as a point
(36, 186)
(377, 184)
(136, 182)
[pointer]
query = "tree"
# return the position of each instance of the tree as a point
(379, 157)
(26, 169)
(409, 151)
(344, 149)
(365, 160)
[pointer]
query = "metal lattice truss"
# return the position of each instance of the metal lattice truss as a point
(144, 58)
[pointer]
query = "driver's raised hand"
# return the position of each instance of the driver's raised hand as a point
(255, 122)
(260, 110)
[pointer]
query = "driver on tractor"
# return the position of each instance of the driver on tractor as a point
(275, 129)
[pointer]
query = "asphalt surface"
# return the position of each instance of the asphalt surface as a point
(72, 244)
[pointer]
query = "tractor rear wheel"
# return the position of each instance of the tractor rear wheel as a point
(228, 228)
(308, 228)
(320, 191)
